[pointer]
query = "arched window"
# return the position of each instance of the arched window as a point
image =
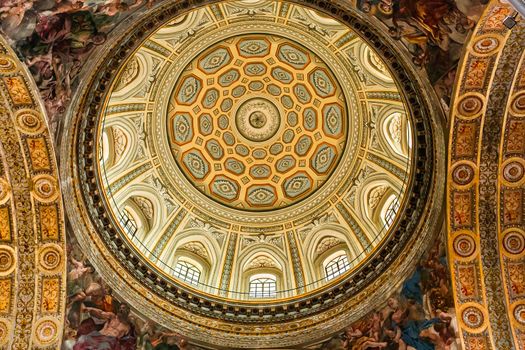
(336, 266)
(128, 223)
(263, 286)
(390, 210)
(187, 272)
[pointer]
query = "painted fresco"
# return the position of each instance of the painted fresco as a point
(55, 37)
(434, 31)
(419, 316)
(97, 319)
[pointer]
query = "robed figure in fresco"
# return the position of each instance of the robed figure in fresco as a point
(117, 332)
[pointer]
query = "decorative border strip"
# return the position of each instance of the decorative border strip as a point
(484, 82)
(32, 239)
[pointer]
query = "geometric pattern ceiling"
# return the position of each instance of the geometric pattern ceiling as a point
(257, 122)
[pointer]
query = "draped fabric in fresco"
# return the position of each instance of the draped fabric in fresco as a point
(433, 31)
(54, 37)
(98, 319)
(420, 316)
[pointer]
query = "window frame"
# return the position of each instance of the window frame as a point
(186, 272)
(336, 266)
(262, 286)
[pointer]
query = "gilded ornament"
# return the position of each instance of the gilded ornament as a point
(486, 45)
(514, 242)
(50, 258)
(513, 171)
(473, 317)
(5, 295)
(45, 188)
(5, 224)
(463, 174)
(7, 260)
(519, 314)
(5, 331)
(470, 105)
(7, 65)
(464, 245)
(518, 105)
(252, 121)
(17, 89)
(29, 121)
(46, 331)
(5, 190)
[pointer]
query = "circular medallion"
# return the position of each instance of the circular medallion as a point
(4, 190)
(50, 258)
(29, 121)
(5, 330)
(519, 314)
(464, 245)
(258, 119)
(514, 242)
(7, 260)
(463, 174)
(472, 317)
(470, 105)
(7, 65)
(486, 45)
(513, 171)
(46, 331)
(45, 188)
(518, 104)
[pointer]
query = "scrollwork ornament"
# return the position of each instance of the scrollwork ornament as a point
(46, 331)
(50, 258)
(7, 260)
(45, 188)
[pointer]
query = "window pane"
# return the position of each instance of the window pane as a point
(391, 212)
(263, 288)
(336, 267)
(187, 272)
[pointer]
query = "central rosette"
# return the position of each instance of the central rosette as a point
(257, 119)
(257, 122)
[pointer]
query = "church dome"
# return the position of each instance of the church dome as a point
(253, 169)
